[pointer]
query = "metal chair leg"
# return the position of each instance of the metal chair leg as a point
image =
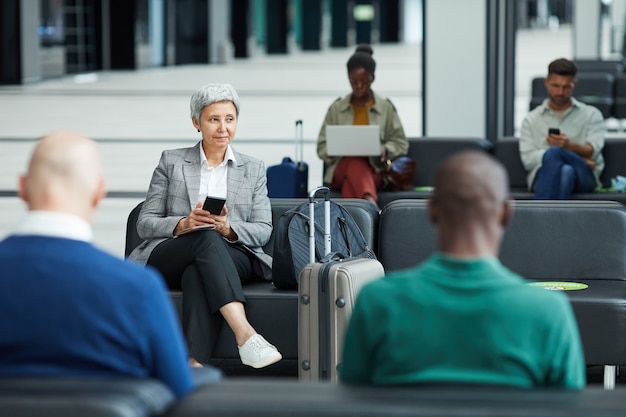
(609, 377)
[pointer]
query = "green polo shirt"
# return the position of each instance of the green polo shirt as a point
(462, 321)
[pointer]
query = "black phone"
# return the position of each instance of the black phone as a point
(554, 131)
(213, 205)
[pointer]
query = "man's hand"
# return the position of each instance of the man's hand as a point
(561, 140)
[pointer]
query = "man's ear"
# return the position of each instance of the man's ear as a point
(101, 192)
(507, 213)
(22, 190)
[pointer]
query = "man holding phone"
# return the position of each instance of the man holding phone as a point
(561, 140)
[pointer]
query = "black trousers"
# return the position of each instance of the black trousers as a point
(210, 272)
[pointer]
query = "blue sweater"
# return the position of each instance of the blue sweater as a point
(69, 308)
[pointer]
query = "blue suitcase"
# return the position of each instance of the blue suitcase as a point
(289, 179)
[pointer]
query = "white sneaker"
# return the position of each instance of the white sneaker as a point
(258, 352)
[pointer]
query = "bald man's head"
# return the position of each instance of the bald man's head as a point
(470, 186)
(64, 174)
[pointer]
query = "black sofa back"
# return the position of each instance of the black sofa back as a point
(428, 153)
(594, 88)
(566, 240)
(364, 213)
(545, 239)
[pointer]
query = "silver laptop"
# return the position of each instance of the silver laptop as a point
(350, 140)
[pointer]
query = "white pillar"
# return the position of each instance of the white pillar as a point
(220, 47)
(542, 13)
(586, 29)
(156, 19)
(411, 24)
(455, 67)
(29, 34)
(618, 23)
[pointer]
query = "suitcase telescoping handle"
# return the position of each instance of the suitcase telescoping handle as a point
(299, 144)
(312, 195)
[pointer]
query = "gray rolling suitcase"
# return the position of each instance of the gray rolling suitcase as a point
(327, 292)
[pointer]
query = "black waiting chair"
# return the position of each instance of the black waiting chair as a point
(594, 88)
(619, 106)
(614, 68)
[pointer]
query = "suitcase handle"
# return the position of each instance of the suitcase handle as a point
(299, 144)
(312, 194)
(319, 190)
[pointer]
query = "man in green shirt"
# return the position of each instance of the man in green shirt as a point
(461, 316)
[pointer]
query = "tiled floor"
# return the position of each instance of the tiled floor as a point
(137, 114)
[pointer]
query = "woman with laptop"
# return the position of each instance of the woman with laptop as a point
(357, 171)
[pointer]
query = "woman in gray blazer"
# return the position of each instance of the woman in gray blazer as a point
(225, 247)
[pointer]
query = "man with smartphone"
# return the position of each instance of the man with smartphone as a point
(561, 140)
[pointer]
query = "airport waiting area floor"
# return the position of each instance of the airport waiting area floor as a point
(134, 115)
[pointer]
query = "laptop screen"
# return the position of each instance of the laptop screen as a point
(350, 140)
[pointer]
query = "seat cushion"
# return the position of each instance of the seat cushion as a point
(273, 313)
(600, 311)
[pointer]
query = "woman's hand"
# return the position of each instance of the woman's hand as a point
(222, 226)
(200, 217)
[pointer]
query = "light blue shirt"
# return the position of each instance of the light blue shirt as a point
(580, 122)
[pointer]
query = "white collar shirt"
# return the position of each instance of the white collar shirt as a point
(54, 224)
(214, 180)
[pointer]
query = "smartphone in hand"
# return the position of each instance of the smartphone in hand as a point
(554, 131)
(213, 205)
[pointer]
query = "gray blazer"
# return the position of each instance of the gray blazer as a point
(174, 190)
